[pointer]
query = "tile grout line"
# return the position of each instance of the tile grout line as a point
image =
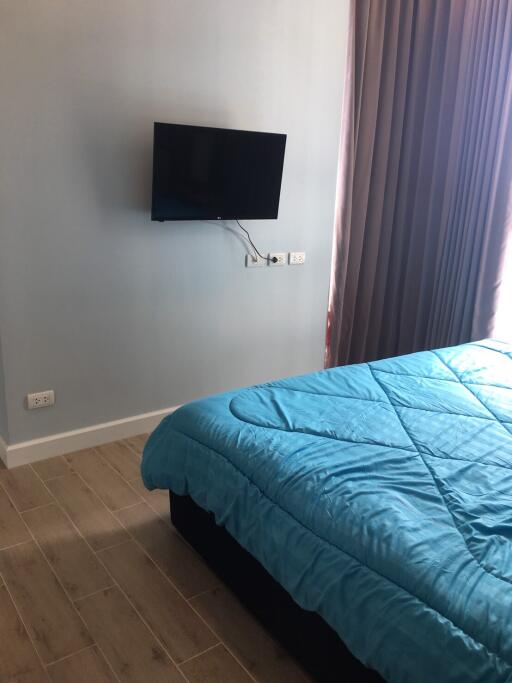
(209, 626)
(60, 583)
(155, 564)
(36, 507)
(115, 582)
(125, 443)
(172, 582)
(175, 586)
(228, 648)
(114, 469)
(143, 620)
(166, 520)
(57, 476)
(126, 481)
(72, 654)
(105, 462)
(145, 500)
(108, 547)
(29, 635)
(200, 654)
(91, 595)
(198, 595)
(15, 545)
(43, 665)
(128, 507)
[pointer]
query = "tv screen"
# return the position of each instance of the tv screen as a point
(204, 173)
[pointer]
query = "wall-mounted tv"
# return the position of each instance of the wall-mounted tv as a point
(202, 173)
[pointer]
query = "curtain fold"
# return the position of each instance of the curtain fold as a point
(424, 187)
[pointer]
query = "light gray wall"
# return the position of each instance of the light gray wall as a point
(4, 433)
(118, 314)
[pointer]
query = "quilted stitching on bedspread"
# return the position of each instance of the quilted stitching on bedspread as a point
(454, 424)
(404, 465)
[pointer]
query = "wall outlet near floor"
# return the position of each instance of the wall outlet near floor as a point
(279, 255)
(297, 258)
(41, 399)
(253, 261)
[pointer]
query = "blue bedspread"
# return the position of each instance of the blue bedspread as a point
(379, 495)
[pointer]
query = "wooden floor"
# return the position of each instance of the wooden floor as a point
(96, 586)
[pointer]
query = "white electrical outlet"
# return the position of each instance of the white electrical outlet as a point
(277, 258)
(297, 258)
(253, 261)
(41, 399)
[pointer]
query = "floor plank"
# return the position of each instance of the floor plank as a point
(129, 646)
(102, 479)
(18, 659)
(95, 522)
(51, 467)
(184, 567)
(169, 616)
(12, 529)
(260, 655)
(132, 634)
(157, 499)
(53, 624)
(71, 558)
(121, 458)
(215, 666)
(137, 443)
(24, 488)
(87, 666)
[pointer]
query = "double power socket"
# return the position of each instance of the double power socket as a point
(276, 258)
(41, 399)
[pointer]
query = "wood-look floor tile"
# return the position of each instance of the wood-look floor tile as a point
(260, 655)
(129, 646)
(157, 499)
(169, 616)
(121, 458)
(215, 666)
(137, 443)
(12, 529)
(94, 521)
(51, 467)
(102, 479)
(18, 660)
(71, 558)
(24, 487)
(45, 609)
(87, 666)
(184, 567)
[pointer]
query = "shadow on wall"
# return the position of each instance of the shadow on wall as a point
(114, 145)
(118, 159)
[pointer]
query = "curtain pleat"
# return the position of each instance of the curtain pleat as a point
(423, 207)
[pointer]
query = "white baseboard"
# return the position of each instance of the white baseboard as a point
(3, 451)
(66, 442)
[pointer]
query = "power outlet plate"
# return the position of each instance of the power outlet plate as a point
(297, 258)
(41, 399)
(254, 261)
(279, 255)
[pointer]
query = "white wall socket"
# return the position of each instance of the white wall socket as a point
(253, 261)
(279, 255)
(297, 258)
(41, 399)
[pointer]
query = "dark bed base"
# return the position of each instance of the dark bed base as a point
(304, 634)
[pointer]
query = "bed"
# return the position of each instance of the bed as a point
(377, 496)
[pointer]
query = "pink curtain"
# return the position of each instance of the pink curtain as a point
(425, 177)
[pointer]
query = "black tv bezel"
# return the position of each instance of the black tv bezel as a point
(214, 217)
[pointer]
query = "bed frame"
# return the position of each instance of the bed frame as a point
(304, 634)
